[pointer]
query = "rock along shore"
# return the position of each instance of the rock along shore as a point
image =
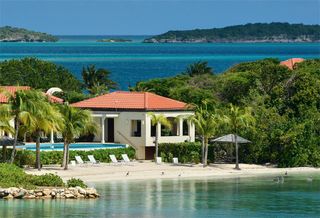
(49, 193)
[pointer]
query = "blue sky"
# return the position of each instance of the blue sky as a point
(147, 17)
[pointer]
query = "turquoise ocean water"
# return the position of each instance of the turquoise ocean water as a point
(241, 197)
(136, 61)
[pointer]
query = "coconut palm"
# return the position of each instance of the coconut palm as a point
(76, 122)
(199, 68)
(206, 126)
(97, 80)
(5, 127)
(45, 118)
(18, 108)
(238, 119)
(157, 120)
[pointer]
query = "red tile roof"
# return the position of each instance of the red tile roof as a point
(13, 89)
(131, 101)
(291, 62)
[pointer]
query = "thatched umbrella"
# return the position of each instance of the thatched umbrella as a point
(4, 142)
(232, 138)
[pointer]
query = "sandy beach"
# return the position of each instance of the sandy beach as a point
(149, 170)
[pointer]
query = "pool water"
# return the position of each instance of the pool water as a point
(73, 146)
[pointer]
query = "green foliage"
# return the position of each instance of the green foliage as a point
(38, 74)
(186, 152)
(73, 182)
(199, 68)
(47, 179)
(13, 176)
(97, 81)
(249, 32)
(284, 104)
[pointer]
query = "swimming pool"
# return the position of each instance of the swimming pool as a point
(73, 146)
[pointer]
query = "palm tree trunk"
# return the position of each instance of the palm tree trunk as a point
(67, 157)
(237, 156)
(202, 150)
(206, 153)
(4, 153)
(157, 149)
(38, 162)
(64, 159)
(17, 126)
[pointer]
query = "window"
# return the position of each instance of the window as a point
(136, 128)
(173, 131)
(185, 128)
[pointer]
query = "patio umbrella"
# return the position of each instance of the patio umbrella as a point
(7, 141)
(232, 138)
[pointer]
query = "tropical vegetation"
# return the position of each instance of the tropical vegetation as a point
(284, 104)
(157, 120)
(97, 81)
(76, 122)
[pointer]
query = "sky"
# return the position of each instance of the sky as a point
(149, 17)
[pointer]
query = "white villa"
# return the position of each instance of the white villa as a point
(123, 118)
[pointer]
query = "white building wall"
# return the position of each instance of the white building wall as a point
(123, 129)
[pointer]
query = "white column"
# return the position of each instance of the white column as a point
(51, 137)
(180, 127)
(102, 129)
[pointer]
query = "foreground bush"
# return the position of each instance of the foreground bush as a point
(73, 182)
(13, 176)
(26, 157)
(186, 152)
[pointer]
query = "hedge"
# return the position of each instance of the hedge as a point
(186, 152)
(27, 157)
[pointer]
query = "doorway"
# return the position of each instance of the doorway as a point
(110, 129)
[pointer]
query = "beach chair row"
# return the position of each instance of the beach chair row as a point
(92, 160)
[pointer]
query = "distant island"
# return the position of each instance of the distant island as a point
(14, 34)
(257, 32)
(114, 40)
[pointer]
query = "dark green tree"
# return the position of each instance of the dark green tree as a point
(97, 81)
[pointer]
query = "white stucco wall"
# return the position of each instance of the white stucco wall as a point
(123, 131)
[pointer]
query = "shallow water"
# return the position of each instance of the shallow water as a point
(241, 197)
(136, 61)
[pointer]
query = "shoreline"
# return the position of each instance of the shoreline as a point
(149, 170)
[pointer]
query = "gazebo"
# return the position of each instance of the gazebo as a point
(232, 138)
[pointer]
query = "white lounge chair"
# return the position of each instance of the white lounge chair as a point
(158, 160)
(79, 160)
(126, 159)
(93, 160)
(175, 161)
(114, 159)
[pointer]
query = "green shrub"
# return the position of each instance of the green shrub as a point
(13, 176)
(27, 157)
(73, 182)
(48, 179)
(186, 152)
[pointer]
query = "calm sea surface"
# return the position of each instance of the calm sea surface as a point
(136, 61)
(245, 197)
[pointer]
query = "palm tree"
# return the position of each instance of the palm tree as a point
(97, 81)
(18, 108)
(206, 126)
(5, 126)
(199, 68)
(76, 122)
(237, 119)
(157, 120)
(45, 118)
